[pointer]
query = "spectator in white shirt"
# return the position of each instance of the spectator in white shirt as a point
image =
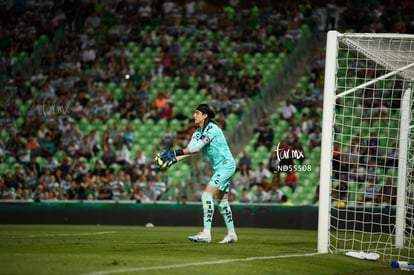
(88, 55)
(288, 111)
(122, 154)
(262, 176)
(92, 21)
(260, 196)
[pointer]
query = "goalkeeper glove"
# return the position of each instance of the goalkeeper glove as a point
(171, 153)
(168, 157)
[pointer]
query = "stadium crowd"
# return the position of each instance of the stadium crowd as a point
(53, 157)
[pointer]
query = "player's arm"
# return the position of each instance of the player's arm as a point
(179, 158)
(194, 146)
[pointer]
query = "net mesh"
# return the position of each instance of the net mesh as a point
(373, 72)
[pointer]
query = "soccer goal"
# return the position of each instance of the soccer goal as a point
(366, 200)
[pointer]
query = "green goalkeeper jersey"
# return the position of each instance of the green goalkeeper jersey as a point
(212, 141)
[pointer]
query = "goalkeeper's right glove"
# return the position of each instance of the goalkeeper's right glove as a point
(168, 156)
(171, 153)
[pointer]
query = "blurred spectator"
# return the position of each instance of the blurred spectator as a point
(244, 177)
(273, 166)
(140, 158)
(72, 149)
(291, 180)
(275, 194)
(262, 176)
(285, 201)
(38, 195)
(372, 171)
(309, 100)
(183, 82)
(65, 140)
(175, 50)
(305, 124)
(246, 196)
(370, 192)
(315, 138)
(167, 138)
(167, 112)
(109, 155)
(160, 102)
(42, 131)
(120, 193)
(85, 148)
(149, 191)
(245, 159)
(293, 134)
(391, 158)
(128, 137)
(265, 138)
(260, 195)
(23, 152)
(105, 192)
(94, 141)
(387, 193)
(115, 134)
(122, 154)
(160, 185)
(19, 175)
(222, 121)
(46, 146)
(297, 98)
(331, 13)
(50, 163)
(373, 143)
(182, 136)
(93, 21)
(239, 103)
(287, 112)
(340, 193)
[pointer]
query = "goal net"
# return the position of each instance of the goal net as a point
(367, 157)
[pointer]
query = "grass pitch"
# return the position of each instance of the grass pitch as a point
(62, 249)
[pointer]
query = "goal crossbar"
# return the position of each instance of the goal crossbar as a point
(369, 83)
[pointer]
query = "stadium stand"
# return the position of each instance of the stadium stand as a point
(102, 66)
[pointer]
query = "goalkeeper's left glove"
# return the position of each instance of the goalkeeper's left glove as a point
(170, 154)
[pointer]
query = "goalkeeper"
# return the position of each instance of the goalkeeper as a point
(210, 139)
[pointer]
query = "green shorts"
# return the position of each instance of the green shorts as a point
(222, 176)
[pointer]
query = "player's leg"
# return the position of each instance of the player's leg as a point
(224, 206)
(225, 211)
(208, 213)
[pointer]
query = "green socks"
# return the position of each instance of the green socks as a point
(225, 211)
(208, 210)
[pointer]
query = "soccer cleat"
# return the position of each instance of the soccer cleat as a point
(200, 238)
(229, 238)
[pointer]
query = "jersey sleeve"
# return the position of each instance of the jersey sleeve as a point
(199, 140)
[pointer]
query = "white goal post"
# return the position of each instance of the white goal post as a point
(366, 193)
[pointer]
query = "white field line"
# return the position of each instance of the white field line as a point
(65, 234)
(161, 267)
